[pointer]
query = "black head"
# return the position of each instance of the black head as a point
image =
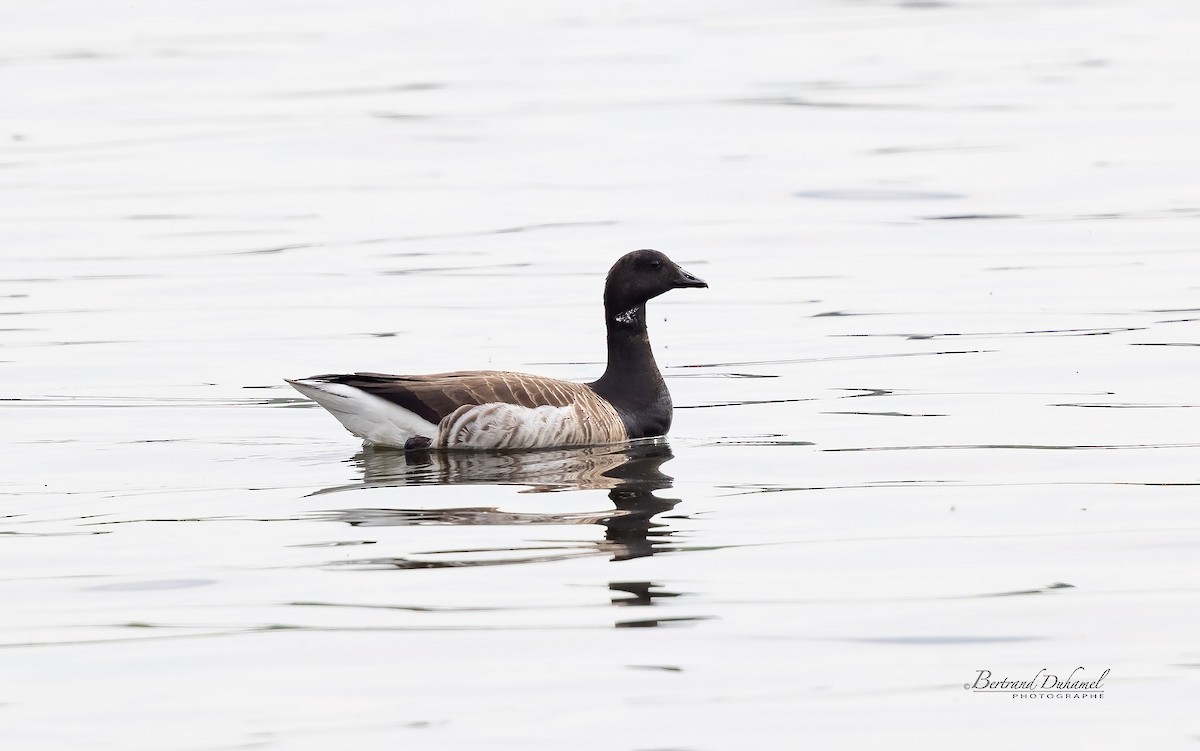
(641, 275)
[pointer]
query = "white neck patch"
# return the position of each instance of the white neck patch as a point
(629, 317)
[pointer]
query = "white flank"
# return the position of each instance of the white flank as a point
(367, 416)
(510, 426)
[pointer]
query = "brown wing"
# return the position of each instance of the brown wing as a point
(432, 397)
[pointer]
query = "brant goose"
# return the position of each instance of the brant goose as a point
(502, 410)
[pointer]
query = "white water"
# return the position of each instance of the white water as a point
(947, 363)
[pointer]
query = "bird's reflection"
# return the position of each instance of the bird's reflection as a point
(631, 473)
(634, 465)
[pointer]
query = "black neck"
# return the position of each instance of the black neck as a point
(632, 382)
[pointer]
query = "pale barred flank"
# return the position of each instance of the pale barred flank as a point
(586, 421)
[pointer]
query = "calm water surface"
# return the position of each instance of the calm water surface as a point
(937, 412)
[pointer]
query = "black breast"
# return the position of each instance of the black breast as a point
(645, 415)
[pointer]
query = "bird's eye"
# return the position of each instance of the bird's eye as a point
(656, 264)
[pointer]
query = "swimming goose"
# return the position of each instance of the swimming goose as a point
(503, 410)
